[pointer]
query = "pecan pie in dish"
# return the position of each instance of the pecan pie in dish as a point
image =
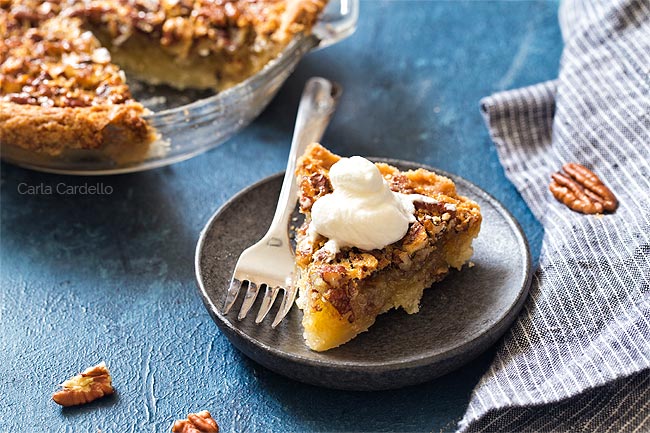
(63, 63)
(344, 287)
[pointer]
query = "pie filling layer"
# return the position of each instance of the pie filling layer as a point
(342, 292)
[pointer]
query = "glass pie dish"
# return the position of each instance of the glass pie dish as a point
(191, 122)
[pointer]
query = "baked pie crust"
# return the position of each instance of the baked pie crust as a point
(60, 84)
(342, 294)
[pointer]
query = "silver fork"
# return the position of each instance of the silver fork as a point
(270, 262)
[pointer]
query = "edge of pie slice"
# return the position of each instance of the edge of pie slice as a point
(342, 293)
(61, 88)
(59, 91)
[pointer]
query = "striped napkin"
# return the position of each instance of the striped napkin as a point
(578, 357)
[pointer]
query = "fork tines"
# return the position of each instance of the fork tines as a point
(252, 289)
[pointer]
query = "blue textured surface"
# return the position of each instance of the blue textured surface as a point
(110, 277)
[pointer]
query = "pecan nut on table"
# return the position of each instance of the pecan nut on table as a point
(201, 422)
(93, 383)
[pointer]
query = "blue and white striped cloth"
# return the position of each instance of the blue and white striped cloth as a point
(578, 358)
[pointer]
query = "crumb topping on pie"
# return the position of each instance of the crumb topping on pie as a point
(342, 292)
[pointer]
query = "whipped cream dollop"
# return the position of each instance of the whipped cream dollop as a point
(362, 211)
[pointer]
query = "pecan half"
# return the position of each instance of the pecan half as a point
(93, 383)
(582, 191)
(201, 422)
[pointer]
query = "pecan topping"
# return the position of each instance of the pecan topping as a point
(53, 61)
(398, 182)
(201, 422)
(430, 207)
(313, 187)
(582, 191)
(85, 387)
(21, 98)
(332, 274)
(415, 239)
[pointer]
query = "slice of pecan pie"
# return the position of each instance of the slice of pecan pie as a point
(342, 291)
(61, 88)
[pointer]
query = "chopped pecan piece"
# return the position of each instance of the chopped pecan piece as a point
(332, 274)
(313, 187)
(431, 207)
(416, 238)
(398, 182)
(201, 422)
(93, 383)
(21, 98)
(582, 191)
(340, 297)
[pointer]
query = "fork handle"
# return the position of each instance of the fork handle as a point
(317, 104)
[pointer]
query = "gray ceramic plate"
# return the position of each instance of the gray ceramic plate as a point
(459, 317)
